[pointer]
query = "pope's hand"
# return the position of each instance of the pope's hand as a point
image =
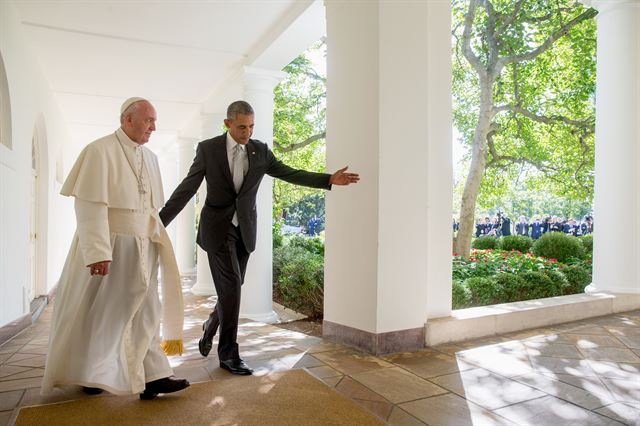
(342, 178)
(99, 268)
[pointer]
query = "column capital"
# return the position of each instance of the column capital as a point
(261, 78)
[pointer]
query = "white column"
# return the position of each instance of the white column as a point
(204, 286)
(257, 291)
(185, 232)
(616, 250)
(388, 238)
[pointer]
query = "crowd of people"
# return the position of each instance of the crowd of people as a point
(501, 225)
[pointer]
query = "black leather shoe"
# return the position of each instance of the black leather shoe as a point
(236, 366)
(204, 346)
(165, 385)
(91, 391)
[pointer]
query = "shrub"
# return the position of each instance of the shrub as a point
(276, 234)
(310, 244)
(538, 285)
(461, 295)
(484, 290)
(509, 287)
(516, 242)
(578, 278)
(559, 280)
(484, 243)
(299, 279)
(556, 245)
(587, 243)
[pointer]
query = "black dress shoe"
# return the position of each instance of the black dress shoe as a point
(236, 366)
(91, 391)
(165, 385)
(204, 346)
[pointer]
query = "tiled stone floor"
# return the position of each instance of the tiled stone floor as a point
(581, 373)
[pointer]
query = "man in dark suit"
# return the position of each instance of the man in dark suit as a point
(522, 227)
(234, 165)
(537, 228)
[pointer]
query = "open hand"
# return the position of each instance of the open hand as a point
(341, 177)
(99, 268)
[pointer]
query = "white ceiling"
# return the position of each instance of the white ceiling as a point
(97, 53)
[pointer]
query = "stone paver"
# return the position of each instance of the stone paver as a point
(586, 372)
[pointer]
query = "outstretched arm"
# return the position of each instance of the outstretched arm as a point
(341, 177)
(187, 189)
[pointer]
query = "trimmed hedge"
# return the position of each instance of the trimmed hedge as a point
(484, 243)
(559, 280)
(461, 297)
(484, 291)
(516, 242)
(587, 243)
(577, 277)
(556, 245)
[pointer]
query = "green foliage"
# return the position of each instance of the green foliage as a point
(461, 295)
(299, 279)
(560, 282)
(538, 285)
(516, 242)
(495, 276)
(558, 83)
(313, 245)
(484, 291)
(299, 213)
(276, 234)
(299, 116)
(578, 278)
(484, 243)
(535, 125)
(559, 246)
(587, 243)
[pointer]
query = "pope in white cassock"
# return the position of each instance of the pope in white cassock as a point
(105, 333)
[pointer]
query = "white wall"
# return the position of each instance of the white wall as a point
(31, 102)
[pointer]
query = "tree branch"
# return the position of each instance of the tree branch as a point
(586, 124)
(507, 20)
(588, 14)
(473, 59)
(490, 32)
(300, 145)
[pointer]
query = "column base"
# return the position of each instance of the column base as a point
(268, 317)
(376, 344)
(631, 289)
(188, 271)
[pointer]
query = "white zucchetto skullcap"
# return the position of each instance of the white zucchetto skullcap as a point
(130, 102)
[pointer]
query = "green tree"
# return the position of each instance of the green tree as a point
(523, 88)
(299, 124)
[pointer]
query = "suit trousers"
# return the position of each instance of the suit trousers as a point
(228, 266)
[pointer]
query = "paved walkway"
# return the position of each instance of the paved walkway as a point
(581, 373)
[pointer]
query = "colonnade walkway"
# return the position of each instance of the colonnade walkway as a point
(582, 373)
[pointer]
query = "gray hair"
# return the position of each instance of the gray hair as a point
(239, 107)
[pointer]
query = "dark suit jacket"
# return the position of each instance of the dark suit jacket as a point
(211, 162)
